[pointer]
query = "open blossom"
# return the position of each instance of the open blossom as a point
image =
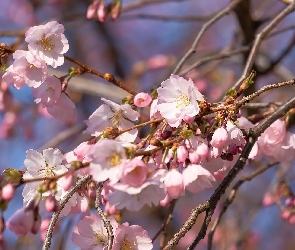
(49, 92)
(38, 165)
(48, 43)
(26, 69)
(113, 114)
(132, 237)
(196, 178)
(178, 98)
(108, 160)
(151, 192)
(174, 184)
(91, 234)
(134, 172)
(63, 109)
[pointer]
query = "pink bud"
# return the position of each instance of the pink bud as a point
(92, 9)
(157, 62)
(291, 219)
(109, 209)
(21, 222)
(188, 119)
(67, 180)
(285, 214)
(219, 138)
(165, 201)
(268, 200)
(202, 150)
(181, 153)
(36, 225)
(142, 100)
(193, 157)
(101, 12)
(8, 192)
(51, 204)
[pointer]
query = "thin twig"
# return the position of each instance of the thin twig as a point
(207, 25)
(258, 40)
(106, 222)
(54, 218)
(166, 222)
(231, 197)
(211, 204)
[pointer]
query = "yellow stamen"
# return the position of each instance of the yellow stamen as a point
(182, 101)
(46, 43)
(114, 159)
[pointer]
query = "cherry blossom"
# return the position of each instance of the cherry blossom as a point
(219, 137)
(21, 222)
(26, 69)
(48, 43)
(112, 114)
(48, 164)
(132, 237)
(142, 100)
(109, 164)
(174, 184)
(90, 233)
(178, 98)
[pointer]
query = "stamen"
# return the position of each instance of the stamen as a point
(182, 101)
(114, 159)
(128, 244)
(46, 43)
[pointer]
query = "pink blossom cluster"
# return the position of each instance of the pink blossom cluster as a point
(46, 46)
(132, 181)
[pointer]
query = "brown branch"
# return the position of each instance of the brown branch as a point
(54, 218)
(166, 222)
(258, 40)
(231, 197)
(108, 77)
(207, 25)
(210, 205)
(106, 222)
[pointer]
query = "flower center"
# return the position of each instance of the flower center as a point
(116, 117)
(114, 159)
(46, 43)
(101, 239)
(182, 101)
(128, 244)
(50, 89)
(47, 171)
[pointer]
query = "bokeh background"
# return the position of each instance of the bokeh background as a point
(141, 48)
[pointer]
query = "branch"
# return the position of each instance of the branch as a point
(54, 218)
(207, 25)
(210, 205)
(258, 40)
(231, 197)
(106, 222)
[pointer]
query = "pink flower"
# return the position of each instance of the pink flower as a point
(142, 100)
(49, 92)
(134, 172)
(90, 232)
(109, 164)
(21, 222)
(112, 114)
(132, 237)
(182, 153)
(219, 138)
(92, 8)
(275, 133)
(196, 178)
(235, 134)
(7, 192)
(157, 61)
(154, 113)
(48, 43)
(178, 98)
(26, 69)
(134, 198)
(63, 109)
(174, 183)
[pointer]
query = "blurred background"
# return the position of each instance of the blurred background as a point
(141, 48)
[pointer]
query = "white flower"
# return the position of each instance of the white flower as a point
(48, 164)
(113, 114)
(48, 43)
(177, 99)
(108, 160)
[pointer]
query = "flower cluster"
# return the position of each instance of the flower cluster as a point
(184, 150)
(46, 46)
